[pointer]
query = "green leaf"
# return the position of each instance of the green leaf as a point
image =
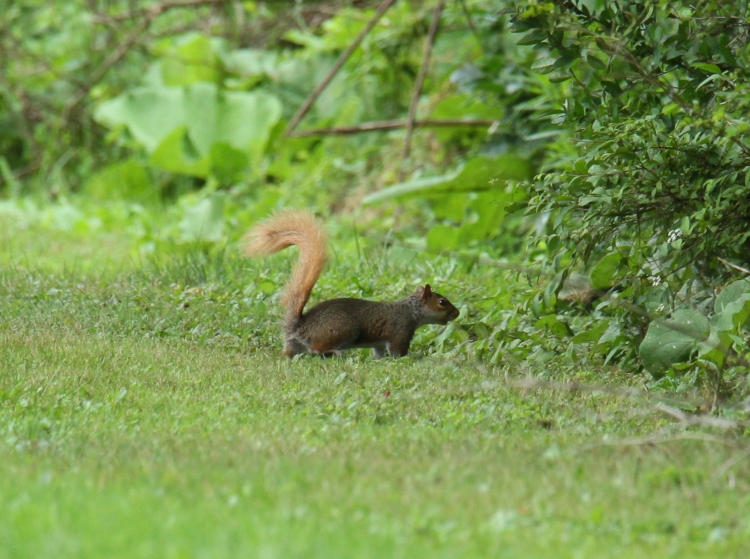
(671, 108)
(189, 59)
(451, 206)
(463, 106)
(123, 180)
(554, 325)
(180, 126)
(251, 64)
(603, 273)
(591, 335)
(176, 153)
(407, 188)
(442, 237)
(533, 37)
(242, 120)
(203, 219)
(480, 173)
(594, 7)
(709, 68)
(151, 114)
(731, 292)
(733, 315)
(715, 347)
(227, 162)
(672, 341)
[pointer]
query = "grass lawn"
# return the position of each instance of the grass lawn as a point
(146, 411)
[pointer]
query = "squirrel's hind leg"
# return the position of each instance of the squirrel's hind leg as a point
(292, 347)
(380, 349)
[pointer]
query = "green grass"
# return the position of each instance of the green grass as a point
(146, 411)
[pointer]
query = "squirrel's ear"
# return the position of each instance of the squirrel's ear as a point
(427, 291)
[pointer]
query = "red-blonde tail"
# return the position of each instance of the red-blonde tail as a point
(292, 227)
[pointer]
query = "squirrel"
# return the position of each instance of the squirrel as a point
(338, 324)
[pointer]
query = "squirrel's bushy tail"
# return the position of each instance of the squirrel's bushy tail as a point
(284, 229)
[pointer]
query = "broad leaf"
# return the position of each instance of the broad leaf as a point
(603, 273)
(125, 179)
(671, 341)
(478, 174)
(150, 113)
(442, 237)
(204, 219)
(724, 324)
(731, 293)
(190, 59)
(179, 127)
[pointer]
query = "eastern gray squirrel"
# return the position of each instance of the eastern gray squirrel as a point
(345, 323)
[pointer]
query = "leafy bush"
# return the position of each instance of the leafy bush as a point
(719, 340)
(651, 185)
(657, 100)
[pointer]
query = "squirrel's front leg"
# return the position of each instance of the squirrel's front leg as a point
(398, 347)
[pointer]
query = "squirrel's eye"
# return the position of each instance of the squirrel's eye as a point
(442, 302)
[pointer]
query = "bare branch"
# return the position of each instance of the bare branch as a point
(387, 125)
(735, 266)
(420, 79)
(339, 63)
(469, 21)
(158, 9)
(148, 15)
(707, 420)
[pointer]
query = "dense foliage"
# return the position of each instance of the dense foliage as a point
(650, 188)
(613, 175)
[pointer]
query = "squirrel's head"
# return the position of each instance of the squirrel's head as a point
(434, 308)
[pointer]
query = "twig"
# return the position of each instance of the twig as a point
(651, 401)
(387, 125)
(148, 15)
(420, 81)
(729, 464)
(339, 63)
(159, 8)
(469, 21)
(735, 266)
(707, 420)
(658, 438)
(114, 57)
(633, 394)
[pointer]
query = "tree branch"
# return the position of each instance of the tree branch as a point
(387, 125)
(147, 16)
(339, 63)
(157, 10)
(735, 266)
(420, 80)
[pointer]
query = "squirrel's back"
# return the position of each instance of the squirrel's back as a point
(292, 227)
